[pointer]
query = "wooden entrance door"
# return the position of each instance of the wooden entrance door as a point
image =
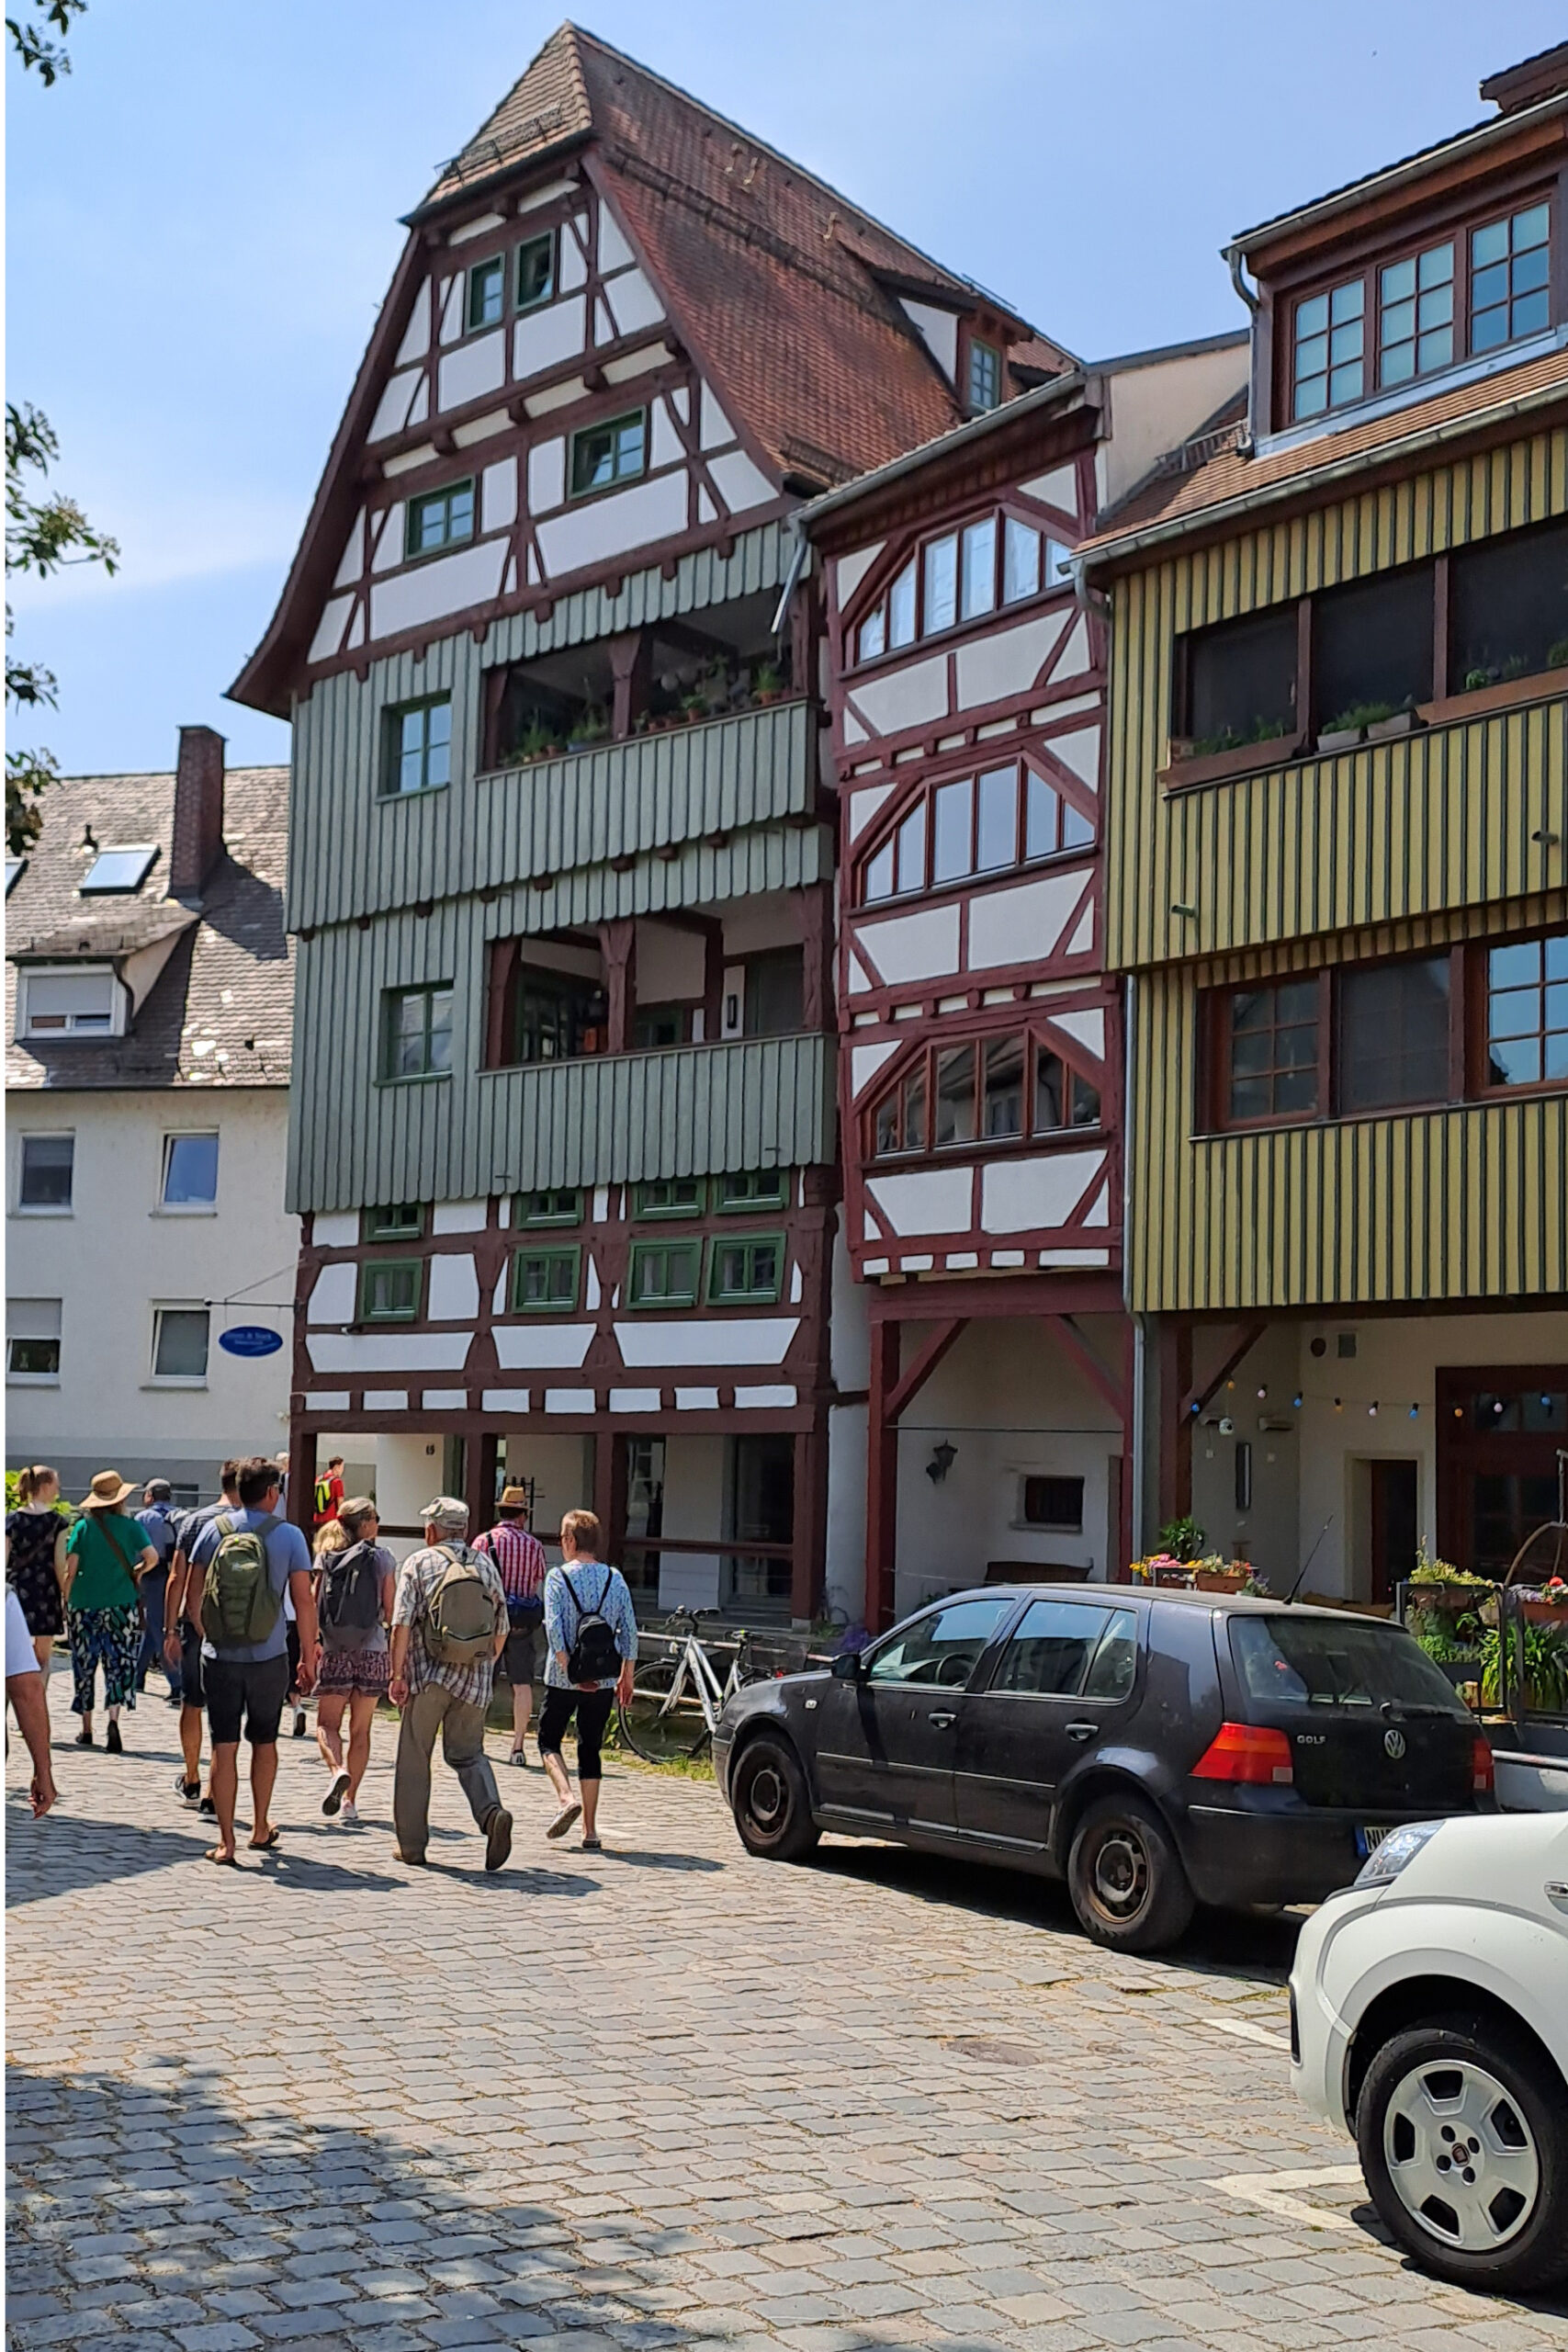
(1500, 1430)
(1395, 1520)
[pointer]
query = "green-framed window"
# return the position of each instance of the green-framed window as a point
(418, 1032)
(559, 1205)
(671, 1196)
(442, 518)
(759, 1187)
(664, 1273)
(537, 271)
(544, 1282)
(745, 1270)
(604, 455)
(487, 293)
(390, 1290)
(984, 376)
(395, 1221)
(418, 747)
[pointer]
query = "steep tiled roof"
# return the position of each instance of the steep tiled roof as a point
(1192, 497)
(220, 1011)
(777, 276)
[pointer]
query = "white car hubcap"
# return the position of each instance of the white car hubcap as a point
(1461, 2155)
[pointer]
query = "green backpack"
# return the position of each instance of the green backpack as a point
(239, 1607)
(460, 1624)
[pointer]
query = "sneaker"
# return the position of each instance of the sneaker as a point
(563, 1820)
(498, 1838)
(82, 1739)
(348, 1818)
(186, 1790)
(592, 1845)
(173, 1699)
(337, 1794)
(113, 1741)
(299, 1723)
(207, 1809)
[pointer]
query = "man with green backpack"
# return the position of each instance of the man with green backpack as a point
(449, 1626)
(243, 1562)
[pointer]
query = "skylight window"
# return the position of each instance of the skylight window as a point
(118, 869)
(13, 873)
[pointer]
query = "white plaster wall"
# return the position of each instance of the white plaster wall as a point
(473, 369)
(116, 1252)
(844, 1570)
(447, 584)
(1154, 407)
(1011, 1403)
(616, 523)
(543, 338)
(408, 1474)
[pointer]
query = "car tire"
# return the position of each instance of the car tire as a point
(1125, 1878)
(771, 1802)
(1475, 2086)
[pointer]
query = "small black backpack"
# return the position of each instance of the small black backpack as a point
(593, 1657)
(350, 1596)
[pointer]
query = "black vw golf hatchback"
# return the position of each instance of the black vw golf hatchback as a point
(1156, 1749)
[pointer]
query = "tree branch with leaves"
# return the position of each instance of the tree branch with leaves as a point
(45, 531)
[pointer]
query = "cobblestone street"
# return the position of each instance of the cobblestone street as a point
(661, 2095)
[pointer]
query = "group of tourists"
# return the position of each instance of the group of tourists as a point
(249, 1618)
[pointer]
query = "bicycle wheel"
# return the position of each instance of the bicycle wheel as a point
(657, 1726)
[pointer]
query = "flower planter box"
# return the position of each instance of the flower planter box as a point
(1457, 1598)
(1219, 1580)
(1404, 722)
(1545, 1613)
(1188, 767)
(1341, 738)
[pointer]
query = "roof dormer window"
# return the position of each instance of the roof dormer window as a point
(119, 870)
(1508, 267)
(1416, 315)
(69, 1001)
(1330, 348)
(984, 376)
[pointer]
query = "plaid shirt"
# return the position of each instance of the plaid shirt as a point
(417, 1580)
(519, 1556)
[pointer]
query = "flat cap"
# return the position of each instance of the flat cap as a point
(445, 1510)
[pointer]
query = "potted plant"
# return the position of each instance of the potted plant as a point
(592, 728)
(1546, 1604)
(1217, 1575)
(695, 706)
(1160, 1568)
(1403, 721)
(1183, 1538)
(767, 685)
(1439, 1585)
(1349, 726)
(535, 742)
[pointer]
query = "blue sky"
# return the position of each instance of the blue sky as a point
(204, 217)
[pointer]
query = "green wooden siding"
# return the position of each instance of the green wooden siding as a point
(352, 853)
(353, 1140)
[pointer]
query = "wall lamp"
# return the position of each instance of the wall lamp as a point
(942, 1459)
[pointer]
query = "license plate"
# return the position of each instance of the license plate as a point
(1368, 1839)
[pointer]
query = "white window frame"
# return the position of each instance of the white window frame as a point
(33, 1379)
(162, 1306)
(43, 1209)
(31, 974)
(186, 1208)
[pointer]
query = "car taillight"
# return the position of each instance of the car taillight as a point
(1484, 1775)
(1246, 1752)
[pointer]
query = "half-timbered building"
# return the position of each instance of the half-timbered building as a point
(981, 1074)
(562, 859)
(1335, 827)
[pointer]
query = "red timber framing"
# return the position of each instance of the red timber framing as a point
(974, 1204)
(898, 1375)
(673, 1398)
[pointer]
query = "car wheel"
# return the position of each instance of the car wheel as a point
(1466, 2154)
(1125, 1877)
(771, 1802)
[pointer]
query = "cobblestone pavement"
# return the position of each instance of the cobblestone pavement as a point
(663, 2096)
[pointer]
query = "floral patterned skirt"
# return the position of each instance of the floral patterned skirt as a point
(110, 1638)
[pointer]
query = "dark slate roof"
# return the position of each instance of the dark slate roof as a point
(221, 1012)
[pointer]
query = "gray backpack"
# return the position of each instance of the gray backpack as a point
(460, 1625)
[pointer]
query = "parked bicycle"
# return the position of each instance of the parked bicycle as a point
(677, 1694)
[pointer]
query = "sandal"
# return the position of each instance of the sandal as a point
(265, 1845)
(224, 1861)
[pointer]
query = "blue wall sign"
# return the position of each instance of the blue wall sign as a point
(251, 1339)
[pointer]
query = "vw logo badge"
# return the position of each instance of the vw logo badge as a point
(1394, 1741)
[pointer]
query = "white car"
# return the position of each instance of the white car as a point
(1429, 2015)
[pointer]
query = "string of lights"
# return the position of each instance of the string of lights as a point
(1490, 1411)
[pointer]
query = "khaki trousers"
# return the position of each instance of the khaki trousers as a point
(462, 1727)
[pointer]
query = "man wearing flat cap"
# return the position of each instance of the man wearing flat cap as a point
(448, 1628)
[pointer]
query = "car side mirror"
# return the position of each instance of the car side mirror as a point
(846, 1667)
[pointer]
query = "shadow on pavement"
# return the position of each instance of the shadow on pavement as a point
(197, 2201)
(1257, 1944)
(70, 1853)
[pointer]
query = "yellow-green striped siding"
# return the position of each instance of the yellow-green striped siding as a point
(1417, 842)
(1441, 818)
(1465, 1203)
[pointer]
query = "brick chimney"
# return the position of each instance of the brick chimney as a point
(198, 810)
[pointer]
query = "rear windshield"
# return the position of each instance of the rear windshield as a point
(1316, 1662)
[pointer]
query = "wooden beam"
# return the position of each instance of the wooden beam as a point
(1194, 1400)
(1093, 1368)
(909, 1383)
(1175, 1350)
(617, 945)
(881, 1479)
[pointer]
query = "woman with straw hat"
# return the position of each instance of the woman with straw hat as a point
(106, 1552)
